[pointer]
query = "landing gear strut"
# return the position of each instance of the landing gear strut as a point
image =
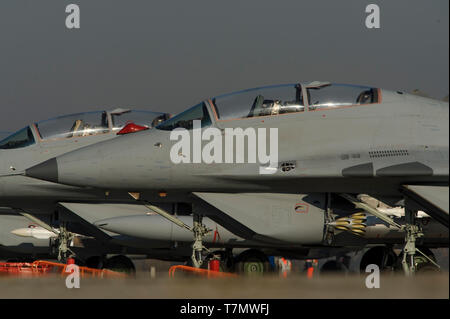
(63, 242)
(413, 233)
(199, 231)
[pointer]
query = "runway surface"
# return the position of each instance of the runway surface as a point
(293, 287)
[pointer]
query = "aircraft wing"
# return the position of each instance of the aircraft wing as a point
(433, 199)
(267, 217)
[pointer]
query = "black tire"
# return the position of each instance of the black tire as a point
(120, 263)
(383, 257)
(252, 262)
(427, 268)
(427, 252)
(423, 265)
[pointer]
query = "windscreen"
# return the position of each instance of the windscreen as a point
(185, 119)
(22, 138)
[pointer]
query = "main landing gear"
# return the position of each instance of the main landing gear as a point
(411, 255)
(411, 261)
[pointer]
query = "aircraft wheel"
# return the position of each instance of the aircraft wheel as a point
(384, 257)
(252, 262)
(423, 265)
(427, 252)
(120, 263)
(427, 268)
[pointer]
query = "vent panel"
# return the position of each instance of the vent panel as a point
(388, 153)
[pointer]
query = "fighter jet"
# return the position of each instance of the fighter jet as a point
(236, 157)
(27, 205)
(41, 212)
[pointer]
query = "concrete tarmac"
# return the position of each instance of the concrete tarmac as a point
(428, 286)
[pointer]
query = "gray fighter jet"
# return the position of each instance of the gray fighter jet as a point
(38, 224)
(27, 205)
(329, 142)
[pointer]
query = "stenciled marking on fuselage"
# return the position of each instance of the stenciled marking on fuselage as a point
(212, 152)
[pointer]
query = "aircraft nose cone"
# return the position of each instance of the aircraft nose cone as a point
(47, 171)
(22, 232)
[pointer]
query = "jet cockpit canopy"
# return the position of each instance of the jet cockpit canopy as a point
(290, 98)
(262, 101)
(74, 125)
(94, 123)
(81, 125)
(274, 100)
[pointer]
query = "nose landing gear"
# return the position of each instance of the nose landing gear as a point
(198, 248)
(63, 243)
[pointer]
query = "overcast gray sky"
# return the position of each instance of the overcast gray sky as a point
(168, 55)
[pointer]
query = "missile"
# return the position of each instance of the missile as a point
(35, 232)
(155, 227)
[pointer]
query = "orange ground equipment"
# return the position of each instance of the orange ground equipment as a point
(42, 267)
(23, 269)
(199, 272)
(214, 265)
